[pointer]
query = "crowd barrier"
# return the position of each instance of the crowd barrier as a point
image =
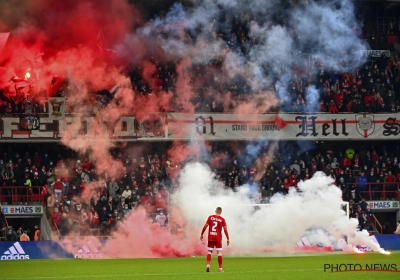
(87, 249)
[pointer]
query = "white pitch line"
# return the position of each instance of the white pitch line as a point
(154, 274)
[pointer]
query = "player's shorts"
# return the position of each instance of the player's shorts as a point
(214, 244)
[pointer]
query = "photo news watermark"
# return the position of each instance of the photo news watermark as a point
(354, 267)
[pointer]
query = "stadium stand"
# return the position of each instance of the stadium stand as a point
(361, 174)
(58, 178)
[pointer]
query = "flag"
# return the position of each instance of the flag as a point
(56, 108)
(3, 40)
(20, 83)
(29, 123)
(279, 122)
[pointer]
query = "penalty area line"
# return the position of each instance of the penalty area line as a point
(156, 274)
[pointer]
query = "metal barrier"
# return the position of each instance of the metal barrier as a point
(21, 195)
(376, 222)
(377, 191)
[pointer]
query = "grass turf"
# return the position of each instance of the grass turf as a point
(268, 266)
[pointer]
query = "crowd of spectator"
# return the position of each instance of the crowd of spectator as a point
(146, 180)
(375, 87)
(360, 173)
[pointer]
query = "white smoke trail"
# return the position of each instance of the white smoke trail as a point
(316, 210)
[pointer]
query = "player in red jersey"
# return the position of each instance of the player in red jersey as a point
(215, 223)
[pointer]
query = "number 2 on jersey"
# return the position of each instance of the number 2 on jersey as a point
(214, 228)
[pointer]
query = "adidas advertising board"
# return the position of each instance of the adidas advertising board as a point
(88, 250)
(11, 250)
(15, 252)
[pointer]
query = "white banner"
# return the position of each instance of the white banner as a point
(175, 126)
(380, 205)
(284, 127)
(22, 210)
(56, 108)
(376, 53)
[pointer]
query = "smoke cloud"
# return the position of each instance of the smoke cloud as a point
(315, 211)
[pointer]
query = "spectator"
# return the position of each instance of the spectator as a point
(24, 237)
(58, 189)
(350, 153)
(390, 185)
(51, 201)
(93, 218)
(37, 235)
(113, 188)
(357, 107)
(126, 210)
(361, 186)
(161, 219)
(11, 235)
(332, 108)
(397, 231)
(127, 192)
(56, 217)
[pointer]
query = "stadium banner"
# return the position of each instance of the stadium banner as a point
(383, 205)
(22, 210)
(284, 126)
(376, 53)
(56, 108)
(32, 250)
(177, 126)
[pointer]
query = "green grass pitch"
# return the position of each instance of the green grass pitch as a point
(268, 266)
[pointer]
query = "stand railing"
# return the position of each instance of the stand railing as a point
(12, 195)
(376, 222)
(376, 191)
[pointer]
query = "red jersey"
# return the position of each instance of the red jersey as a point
(215, 225)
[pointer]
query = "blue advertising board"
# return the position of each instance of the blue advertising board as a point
(389, 241)
(32, 250)
(53, 250)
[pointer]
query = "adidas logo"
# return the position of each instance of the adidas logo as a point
(88, 251)
(15, 252)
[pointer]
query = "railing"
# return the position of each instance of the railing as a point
(378, 191)
(376, 222)
(21, 195)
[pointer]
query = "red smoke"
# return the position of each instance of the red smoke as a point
(67, 34)
(64, 43)
(138, 237)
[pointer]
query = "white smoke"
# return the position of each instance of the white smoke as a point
(282, 36)
(315, 212)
